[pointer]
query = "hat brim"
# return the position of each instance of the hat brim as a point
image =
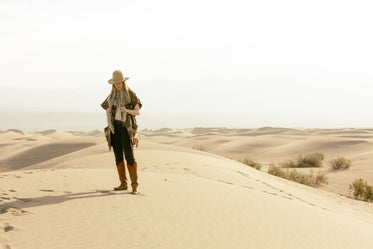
(111, 81)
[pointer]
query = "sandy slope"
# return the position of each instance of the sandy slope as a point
(273, 145)
(189, 199)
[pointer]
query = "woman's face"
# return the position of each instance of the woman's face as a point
(119, 85)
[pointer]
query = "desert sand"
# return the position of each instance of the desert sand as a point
(56, 191)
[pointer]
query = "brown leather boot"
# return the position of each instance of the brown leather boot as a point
(132, 169)
(122, 177)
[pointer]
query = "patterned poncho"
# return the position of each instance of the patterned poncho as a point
(129, 121)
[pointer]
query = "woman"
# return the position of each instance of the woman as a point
(122, 105)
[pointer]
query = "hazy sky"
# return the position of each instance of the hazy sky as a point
(265, 63)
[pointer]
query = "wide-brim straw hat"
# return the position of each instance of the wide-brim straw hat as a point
(117, 77)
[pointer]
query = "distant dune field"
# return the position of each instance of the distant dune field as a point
(56, 191)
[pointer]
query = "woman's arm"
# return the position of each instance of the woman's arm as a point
(105, 104)
(134, 112)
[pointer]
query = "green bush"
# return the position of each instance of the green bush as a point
(307, 161)
(296, 176)
(251, 163)
(340, 163)
(361, 190)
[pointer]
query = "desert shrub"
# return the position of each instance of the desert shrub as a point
(368, 192)
(288, 164)
(251, 163)
(276, 171)
(358, 188)
(321, 178)
(307, 179)
(310, 160)
(199, 147)
(340, 163)
(361, 190)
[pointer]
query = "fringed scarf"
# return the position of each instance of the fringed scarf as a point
(114, 99)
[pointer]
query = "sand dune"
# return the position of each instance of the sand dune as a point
(10, 135)
(40, 154)
(46, 132)
(189, 198)
(59, 135)
(273, 145)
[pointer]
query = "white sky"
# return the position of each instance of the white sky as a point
(278, 63)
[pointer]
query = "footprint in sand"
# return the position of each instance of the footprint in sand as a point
(47, 190)
(225, 182)
(269, 192)
(16, 211)
(7, 227)
(244, 186)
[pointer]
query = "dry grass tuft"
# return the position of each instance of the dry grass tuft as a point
(361, 190)
(307, 179)
(340, 163)
(252, 163)
(308, 161)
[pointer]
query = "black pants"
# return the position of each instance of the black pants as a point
(121, 142)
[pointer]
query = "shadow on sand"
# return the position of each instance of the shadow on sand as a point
(21, 203)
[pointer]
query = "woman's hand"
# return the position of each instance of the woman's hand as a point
(123, 109)
(108, 111)
(135, 111)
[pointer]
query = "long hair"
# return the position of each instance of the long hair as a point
(125, 86)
